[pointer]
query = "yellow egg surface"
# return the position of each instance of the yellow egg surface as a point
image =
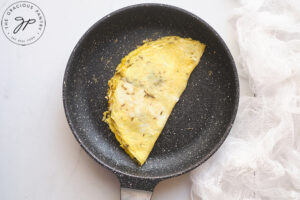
(145, 88)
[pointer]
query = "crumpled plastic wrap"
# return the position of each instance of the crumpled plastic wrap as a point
(260, 159)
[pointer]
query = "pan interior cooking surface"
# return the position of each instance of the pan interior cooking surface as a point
(200, 120)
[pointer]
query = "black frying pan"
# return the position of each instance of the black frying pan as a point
(200, 120)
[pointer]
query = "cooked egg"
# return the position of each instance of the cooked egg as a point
(145, 88)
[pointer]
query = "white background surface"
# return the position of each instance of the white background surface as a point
(39, 157)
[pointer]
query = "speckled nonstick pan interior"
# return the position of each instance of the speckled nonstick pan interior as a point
(200, 120)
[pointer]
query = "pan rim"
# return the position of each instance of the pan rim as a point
(216, 146)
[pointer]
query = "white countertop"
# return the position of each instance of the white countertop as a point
(39, 156)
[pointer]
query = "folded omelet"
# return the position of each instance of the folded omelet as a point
(146, 86)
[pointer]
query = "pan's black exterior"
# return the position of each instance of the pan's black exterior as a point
(200, 121)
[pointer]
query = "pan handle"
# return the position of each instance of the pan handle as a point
(133, 188)
(133, 194)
